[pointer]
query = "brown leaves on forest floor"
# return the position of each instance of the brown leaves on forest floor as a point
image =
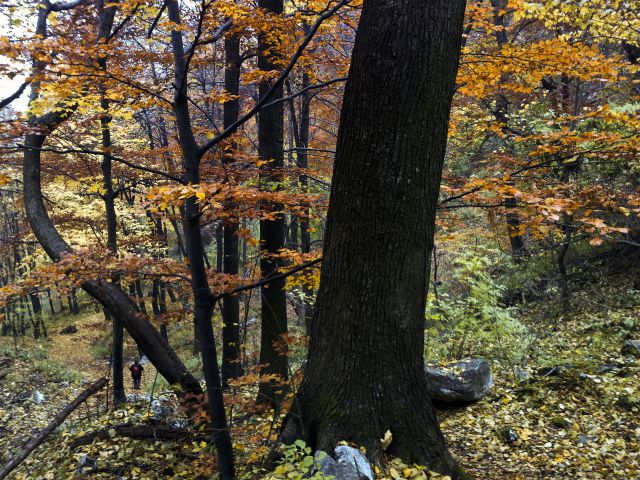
(581, 423)
(584, 432)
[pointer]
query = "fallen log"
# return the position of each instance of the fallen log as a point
(41, 436)
(138, 432)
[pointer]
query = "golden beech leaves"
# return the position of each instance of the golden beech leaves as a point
(521, 68)
(609, 20)
(225, 201)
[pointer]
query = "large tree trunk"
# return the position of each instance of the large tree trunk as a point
(231, 358)
(272, 232)
(365, 370)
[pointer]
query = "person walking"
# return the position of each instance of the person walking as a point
(136, 374)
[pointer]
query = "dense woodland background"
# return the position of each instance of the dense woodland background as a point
(166, 170)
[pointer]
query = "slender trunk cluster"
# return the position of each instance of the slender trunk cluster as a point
(108, 294)
(501, 114)
(107, 15)
(194, 246)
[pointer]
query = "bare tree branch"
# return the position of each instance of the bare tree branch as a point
(285, 73)
(15, 95)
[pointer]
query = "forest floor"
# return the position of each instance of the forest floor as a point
(580, 420)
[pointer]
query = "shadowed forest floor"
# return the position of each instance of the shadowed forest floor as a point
(582, 420)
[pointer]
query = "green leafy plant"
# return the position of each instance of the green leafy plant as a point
(467, 318)
(297, 463)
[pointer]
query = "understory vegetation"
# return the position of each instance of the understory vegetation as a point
(579, 421)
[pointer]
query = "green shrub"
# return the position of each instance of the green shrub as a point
(467, 318)
(57, 371)
(296, 464)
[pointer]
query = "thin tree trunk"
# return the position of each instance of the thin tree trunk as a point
(273, 358)
(107, 14)
(301, 136)
(302, 159)
(219, 247)
(37, 314)
(365, 369)
(50, 300)
(501, 114)
(140, 294)
(194, 245)
(73, 298)
(117, 363)
(231, 347)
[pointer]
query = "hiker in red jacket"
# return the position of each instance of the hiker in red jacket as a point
(136, 374)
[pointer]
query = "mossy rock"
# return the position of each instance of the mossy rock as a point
(626, 402)
(560, 422)
(507, 434)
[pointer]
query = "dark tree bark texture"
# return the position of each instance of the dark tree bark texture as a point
(272, 232)
(365, 370)
(231, 355)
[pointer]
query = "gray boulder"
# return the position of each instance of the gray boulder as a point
(465, 381)
(161, 408)
(631, 347)
(85, 464)
(346, 463)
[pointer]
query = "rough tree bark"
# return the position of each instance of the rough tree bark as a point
(365, 369)
(272, 232)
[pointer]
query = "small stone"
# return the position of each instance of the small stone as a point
(584, 439)
(38, 397)
(346, 463)
(85, 464)
(560, 422)
(69, 330)
(161, 408)
(626, 402)
(137, 397)
(521, 374)
(508, 435)
(631, 347)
